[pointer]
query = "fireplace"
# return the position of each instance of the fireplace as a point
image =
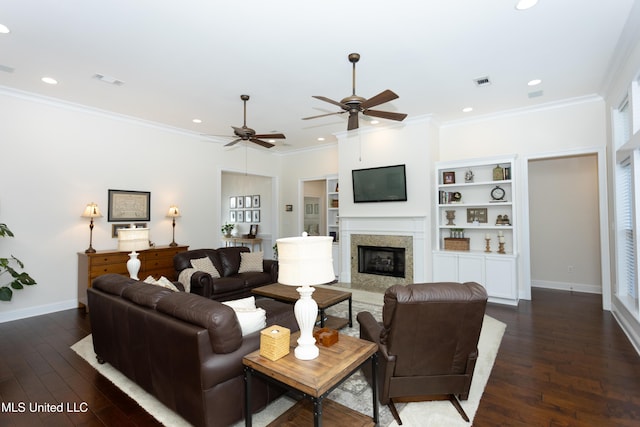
(381, 260)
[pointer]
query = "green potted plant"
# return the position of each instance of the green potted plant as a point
(226, 229)
(19, 279)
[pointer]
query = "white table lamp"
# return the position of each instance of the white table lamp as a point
(303, 262)
(130, 240)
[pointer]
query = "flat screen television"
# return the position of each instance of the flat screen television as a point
(383, 184)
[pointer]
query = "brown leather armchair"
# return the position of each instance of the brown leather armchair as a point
(427, 341)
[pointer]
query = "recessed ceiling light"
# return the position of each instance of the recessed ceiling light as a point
(534, 82)
(49, 80)
(526, 4)
(374, 122)
(197, 121)
(271, 140)
(467, 110)
(4, 29)
(321, 139)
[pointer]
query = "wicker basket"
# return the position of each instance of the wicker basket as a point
(456, 243)
(274, 342)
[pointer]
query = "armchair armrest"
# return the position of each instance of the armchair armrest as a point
(370, 330)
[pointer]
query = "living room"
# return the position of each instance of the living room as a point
(67, 155)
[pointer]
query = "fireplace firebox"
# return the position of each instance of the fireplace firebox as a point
(381, 260)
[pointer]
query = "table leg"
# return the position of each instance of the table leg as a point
(350, 314)
(374, 386)
(322, 317)
(317, 412)
(247, 396)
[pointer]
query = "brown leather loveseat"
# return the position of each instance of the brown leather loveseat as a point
(183, 349)
(231, 284)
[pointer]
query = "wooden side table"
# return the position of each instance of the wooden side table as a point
(316, 378)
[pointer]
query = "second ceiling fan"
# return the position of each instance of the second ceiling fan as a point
(247, 134)
(355, 104)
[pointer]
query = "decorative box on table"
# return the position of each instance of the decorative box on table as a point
(274, 342)
(325, 336)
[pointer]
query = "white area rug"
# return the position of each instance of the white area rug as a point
(354, 393)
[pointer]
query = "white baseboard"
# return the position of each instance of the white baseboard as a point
(38, 311)
(566, 286)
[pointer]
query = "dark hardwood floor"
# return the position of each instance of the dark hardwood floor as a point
(562, 362)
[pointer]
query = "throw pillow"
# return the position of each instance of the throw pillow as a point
(205, 264)
(162, 282)
(251, 319)
(250, 261)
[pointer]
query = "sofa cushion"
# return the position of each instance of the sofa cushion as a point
(220, 321)
(250, 317)
(251, 261)
(112, 283)
(205, 264)
(230, 259)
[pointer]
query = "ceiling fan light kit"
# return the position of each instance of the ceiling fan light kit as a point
(355, 104)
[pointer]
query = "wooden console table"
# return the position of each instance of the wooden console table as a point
(156, 262)
(243, 241)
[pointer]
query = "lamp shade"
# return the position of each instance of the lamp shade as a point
(133, 239)
(174, 212)
(305, 261)
(91, 211)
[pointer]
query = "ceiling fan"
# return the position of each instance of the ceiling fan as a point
(355, 104)
(247, 134)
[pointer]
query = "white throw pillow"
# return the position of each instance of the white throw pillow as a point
(205, 264)
(250, 261)
(251, 319)
(162, 282)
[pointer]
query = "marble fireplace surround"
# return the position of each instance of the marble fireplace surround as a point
(403, 232)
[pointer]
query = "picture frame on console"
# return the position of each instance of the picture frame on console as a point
(125, 205)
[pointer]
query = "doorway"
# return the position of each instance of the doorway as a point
(565, 217)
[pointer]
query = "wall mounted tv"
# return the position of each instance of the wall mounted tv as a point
(383, 184)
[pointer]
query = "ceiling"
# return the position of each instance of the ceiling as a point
(192, 59)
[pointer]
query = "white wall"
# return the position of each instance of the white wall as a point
(57, 157)
(549, 131)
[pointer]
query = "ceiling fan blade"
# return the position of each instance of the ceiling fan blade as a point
(331, 101)
(234, 142)
(261, 142)
(323, 115)
(353, 121)
(385, 115)
(270, 136)
(380, 98)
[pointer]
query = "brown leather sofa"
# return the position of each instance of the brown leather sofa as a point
(231, 284)
(183, 349)
(427, 341)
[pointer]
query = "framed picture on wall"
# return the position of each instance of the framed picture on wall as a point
(240, 216)
(232, 202)
(247, 216)
(255, 216)
(240, 202)
(256, 201)
(129, 205)
(247, 201)
(232, 216)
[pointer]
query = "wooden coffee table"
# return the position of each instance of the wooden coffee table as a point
(315, 379)
(324, 297)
